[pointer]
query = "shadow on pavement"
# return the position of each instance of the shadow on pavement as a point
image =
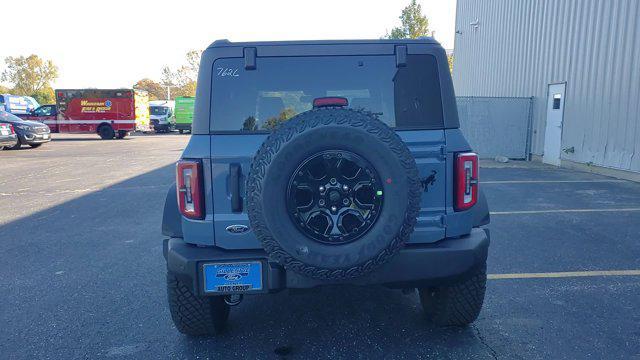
(86, 278)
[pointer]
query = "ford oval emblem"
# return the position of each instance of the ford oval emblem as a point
(237, 229)
(233, 277)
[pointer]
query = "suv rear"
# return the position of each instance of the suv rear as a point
(324, 162)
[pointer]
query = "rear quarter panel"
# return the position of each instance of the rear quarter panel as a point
(200, 232)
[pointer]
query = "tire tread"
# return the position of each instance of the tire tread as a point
(457, 304)
(194, 315)
(309, 120)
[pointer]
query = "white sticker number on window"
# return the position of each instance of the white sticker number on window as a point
(228, 72)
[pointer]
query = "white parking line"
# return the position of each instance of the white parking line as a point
(565, 274)
(550, 181)
(561, 211)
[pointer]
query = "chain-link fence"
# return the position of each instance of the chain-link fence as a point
(497, 126)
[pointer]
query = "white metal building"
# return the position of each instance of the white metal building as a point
(578, 59)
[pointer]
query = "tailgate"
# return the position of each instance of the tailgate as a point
(231, 157)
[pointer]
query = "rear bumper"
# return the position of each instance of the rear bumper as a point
(446, 261)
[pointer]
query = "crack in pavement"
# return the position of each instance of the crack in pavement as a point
(484, 342)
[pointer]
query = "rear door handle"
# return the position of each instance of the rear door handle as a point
(235, 174)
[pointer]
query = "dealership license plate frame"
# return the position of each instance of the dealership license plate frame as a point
(250, 281)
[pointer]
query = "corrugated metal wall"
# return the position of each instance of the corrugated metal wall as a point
(496, 126)
(518, 47)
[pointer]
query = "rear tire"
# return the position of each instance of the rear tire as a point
(106, 132)
(458, 304)
(195, 315)
(35, 145)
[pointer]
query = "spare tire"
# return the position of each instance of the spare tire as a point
(333, 193)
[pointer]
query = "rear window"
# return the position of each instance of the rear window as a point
(281, 87)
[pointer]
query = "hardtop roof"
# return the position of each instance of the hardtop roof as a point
(227, 43)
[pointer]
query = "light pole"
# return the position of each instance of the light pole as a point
(169, 91)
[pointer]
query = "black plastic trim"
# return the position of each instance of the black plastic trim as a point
(480, 210)
(235, 174)
(250, 58)
(445, 261)
(401, 55)
(171, 217)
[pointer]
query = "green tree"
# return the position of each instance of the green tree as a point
(414, 23)
(156, 90)
(275, 121)
(44, 96)
(183, 79)
(193, 64)
(250, 124)
(450, 61)
(30, 76)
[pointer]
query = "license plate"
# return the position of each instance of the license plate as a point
(45, 136)
(233, 277)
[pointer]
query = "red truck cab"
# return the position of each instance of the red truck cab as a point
(45, 114)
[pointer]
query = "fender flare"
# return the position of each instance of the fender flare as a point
(481, 214)
(171, 217)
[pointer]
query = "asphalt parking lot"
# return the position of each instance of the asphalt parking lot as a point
(82, 272)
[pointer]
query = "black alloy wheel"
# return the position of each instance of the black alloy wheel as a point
(334, 197)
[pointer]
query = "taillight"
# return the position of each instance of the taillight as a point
(330, 101)
(466, 177)
(11, 129)
(190, 188)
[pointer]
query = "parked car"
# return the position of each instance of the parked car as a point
(314, 163)
(8, 137)
(161, 115)
(30, 133)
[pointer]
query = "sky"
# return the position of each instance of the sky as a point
(115, 43)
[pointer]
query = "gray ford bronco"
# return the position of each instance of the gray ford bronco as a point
(324, 162)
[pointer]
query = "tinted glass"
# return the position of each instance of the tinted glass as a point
(44, 111)
(281, 87)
